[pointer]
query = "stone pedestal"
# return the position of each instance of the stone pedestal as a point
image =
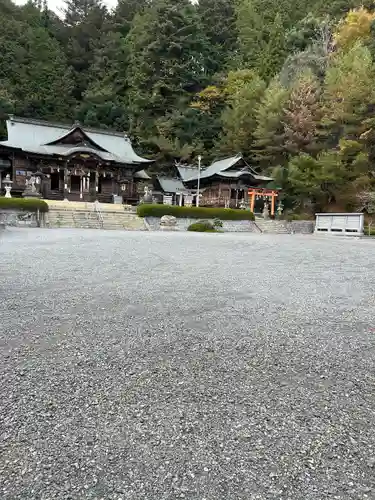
(32, 189)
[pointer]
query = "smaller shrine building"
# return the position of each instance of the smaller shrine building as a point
(229, 182)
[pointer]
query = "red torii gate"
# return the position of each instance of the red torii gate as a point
(263, 193)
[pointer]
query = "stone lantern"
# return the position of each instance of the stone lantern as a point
(7, 183)
(280, 208)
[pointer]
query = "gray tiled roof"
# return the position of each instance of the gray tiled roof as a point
(171, 185)
(142, 175)
(240, 173)
(36, 136)
(217, 167)
(186, 171)
(220, 168)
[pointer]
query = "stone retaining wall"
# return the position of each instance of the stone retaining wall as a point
(236, 226)
(19, 218)
(301, 226)
(233, 226)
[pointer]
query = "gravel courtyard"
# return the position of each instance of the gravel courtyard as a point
(152, 366)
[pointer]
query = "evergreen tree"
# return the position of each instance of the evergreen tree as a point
(348, 95)
(104, 102)
(78, 11)
(85, 22)
(269, 147)
(33, 71)
(125, 12)
(239, 118)
(219, 24)
(167, 61)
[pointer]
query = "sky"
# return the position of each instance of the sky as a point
(56, 5)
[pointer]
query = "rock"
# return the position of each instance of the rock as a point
(168, 223)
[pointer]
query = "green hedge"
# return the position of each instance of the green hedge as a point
(146, 210)
(26, 204)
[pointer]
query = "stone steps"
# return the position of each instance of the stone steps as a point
(89, 219)
(79, 206)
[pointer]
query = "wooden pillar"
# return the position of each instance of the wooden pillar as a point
(252, 202)
(66, 191)
(273, 203)
(96, 183)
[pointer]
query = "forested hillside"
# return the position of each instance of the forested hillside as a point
(290, 84)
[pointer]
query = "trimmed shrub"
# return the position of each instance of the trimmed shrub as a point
(25, 204)
(202, 226)
(146, 210)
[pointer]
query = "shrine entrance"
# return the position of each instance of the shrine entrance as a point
(268, 195)
(75, 183)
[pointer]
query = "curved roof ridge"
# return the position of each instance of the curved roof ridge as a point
(66, 126)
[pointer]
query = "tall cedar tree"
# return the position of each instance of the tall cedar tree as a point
(269, 147)
(219, 24)
(239, 117)
(34, 72)
(104, 102)
(168, 54)
(262, 27)
(85, 22)
(124, 13)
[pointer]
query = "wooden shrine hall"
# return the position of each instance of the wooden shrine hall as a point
(228, 182)
(75, 162)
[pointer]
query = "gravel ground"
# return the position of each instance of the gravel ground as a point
(174, 365)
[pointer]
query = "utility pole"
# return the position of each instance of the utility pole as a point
(199, 181)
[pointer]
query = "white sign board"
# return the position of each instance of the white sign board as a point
(350, 224)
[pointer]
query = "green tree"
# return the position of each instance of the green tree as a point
(269, 147)
(239, 117)
(167, 60)
(262, 32)
(104, 102)
(310, 45)
(219, 24)
(85, 23)
(33, 71)
(125, 12)
(348, 96)
(332, 177)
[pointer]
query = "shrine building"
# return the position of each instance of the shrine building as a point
(229, 182)
(75, 162)
(78, 163)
